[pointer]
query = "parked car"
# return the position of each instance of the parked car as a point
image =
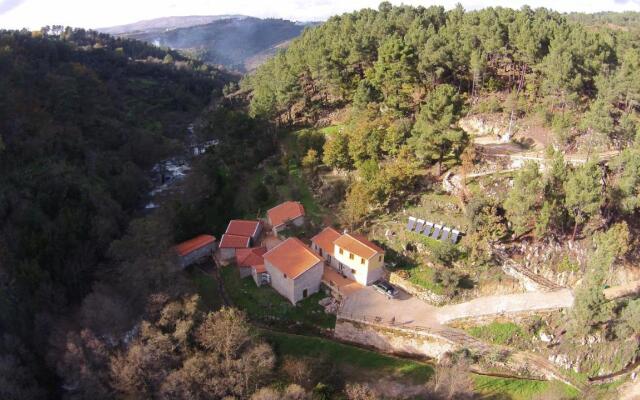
(385, 288)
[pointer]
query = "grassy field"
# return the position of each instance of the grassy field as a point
(352, 358)
(207, 288)
(502, 333)
(265, 305)
(517, 389)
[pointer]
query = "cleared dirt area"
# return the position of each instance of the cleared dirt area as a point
(409, 310)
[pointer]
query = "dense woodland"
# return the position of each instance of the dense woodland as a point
(83, 118)
(406, 75)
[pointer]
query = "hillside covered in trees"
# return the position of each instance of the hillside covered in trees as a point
(394, 84)
(412, 73)
(83, 118)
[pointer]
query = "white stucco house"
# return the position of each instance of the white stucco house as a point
(352, 255)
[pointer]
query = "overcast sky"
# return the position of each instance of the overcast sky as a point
(34, 14)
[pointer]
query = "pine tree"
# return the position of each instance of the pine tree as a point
(583, 190)
(524, 198)
(435, 133)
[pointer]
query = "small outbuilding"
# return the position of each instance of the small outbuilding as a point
(195, 249)
(247, 259)
(248, 228)
(229, 244)
(294, 269)
(289, 213)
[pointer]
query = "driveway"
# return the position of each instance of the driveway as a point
(405, 309)
(508, 303)
(408, 310)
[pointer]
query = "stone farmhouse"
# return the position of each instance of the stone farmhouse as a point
(294, 269)
(289, 213)
(240, 234)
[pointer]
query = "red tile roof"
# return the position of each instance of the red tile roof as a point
(359, 245)
(325, 239)
(250, 257)
(285, 212)
(196, 243)
(243, 227)
(234, 241)
(259, 268)
(292, 257)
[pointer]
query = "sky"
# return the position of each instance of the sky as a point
(33, 14)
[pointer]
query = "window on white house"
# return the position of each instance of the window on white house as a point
(351, 256)
(362, 261)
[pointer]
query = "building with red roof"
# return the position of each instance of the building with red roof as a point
(249, 228)
(352, 255)
(229, 244)
(295, 271)
(250, 262)
(240, 234)
(195, 249)
(284, 215)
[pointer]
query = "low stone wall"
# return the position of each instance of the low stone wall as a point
(394, 340)
(528, 284)
(519, 318)
(417, 291)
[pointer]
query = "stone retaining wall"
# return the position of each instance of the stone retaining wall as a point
(396, 340)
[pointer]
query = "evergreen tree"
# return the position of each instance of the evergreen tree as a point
(435, 133)
(524, 199)
(583, 190)
(394, 72)
(336, 152)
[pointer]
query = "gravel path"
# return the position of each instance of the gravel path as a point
(409, 310)
(504, 304)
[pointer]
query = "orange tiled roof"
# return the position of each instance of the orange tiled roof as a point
(259, 268)
(243, 227)
(292, 257)
(284, 212)
(359, 245)
(197, 242)
(250, 257)
(325, 239)
(234, 241)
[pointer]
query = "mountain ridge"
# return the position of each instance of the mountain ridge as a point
(235, 41)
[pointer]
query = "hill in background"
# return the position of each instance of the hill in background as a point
(237, 42)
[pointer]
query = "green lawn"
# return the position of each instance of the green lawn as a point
(267, 306)
(520, 389)
(363, 361)
(502, 333)
(423, 275)
(207, 288)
